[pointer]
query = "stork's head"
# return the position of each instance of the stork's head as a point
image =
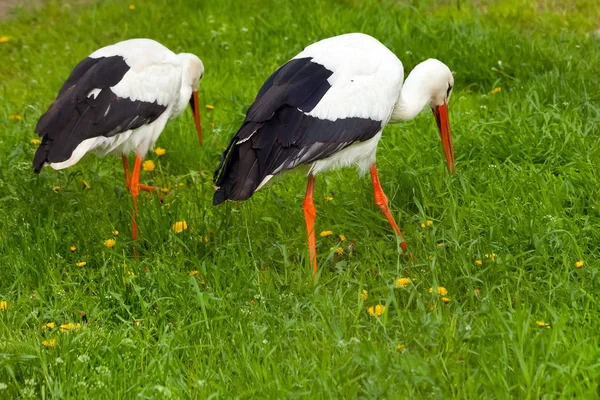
(430, 82)
(440, 83)
(193, 70)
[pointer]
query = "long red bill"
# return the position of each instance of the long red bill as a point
(197, 117)
(443, 123)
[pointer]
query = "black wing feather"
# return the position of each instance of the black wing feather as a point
(75, 116)
(278, 135)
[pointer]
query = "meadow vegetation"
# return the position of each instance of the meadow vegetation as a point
(225, 304)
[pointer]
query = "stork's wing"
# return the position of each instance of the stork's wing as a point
(303, 113)
(103, 96)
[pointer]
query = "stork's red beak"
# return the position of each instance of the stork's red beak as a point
(195, 103)
(443, 123)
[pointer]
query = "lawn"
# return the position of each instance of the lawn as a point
(228, 307)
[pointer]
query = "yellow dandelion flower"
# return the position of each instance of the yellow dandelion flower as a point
(164, 190)
(209, 107)
(326, 233)
(496, 90)
(57, 188)
(81, 264)
(49, 325)
(67, 327)
(446, 300)
(179, 226)
(342, 237)
(148, 165)
(543, 324)
(441, 244)
(159, 151)
(36, 141)
(15, 117)
(478, 262)
(339, 251)
(73, 249)
(579, 264)
(115, 232)
(110, 243)
(328, 198)
(402, 282)
(85, 184)
(132, 6)
(429, 222)
(423, 226)
(193, 273)
(491, 256)
(442, 291)
(378, 310)
(49, 343)
(400, 348)
(364, 295)
(477, 292)
(4, 39)
(3, 305)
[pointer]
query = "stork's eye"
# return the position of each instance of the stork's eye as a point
(449, 90)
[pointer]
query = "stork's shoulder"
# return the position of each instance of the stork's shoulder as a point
(355, 53)
(138, 53)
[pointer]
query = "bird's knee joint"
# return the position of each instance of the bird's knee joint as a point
(381, 201)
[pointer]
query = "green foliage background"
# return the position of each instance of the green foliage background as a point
(252, 323)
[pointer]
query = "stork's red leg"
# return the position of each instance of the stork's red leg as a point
(310, 214)
(126, 168)
(382, 202)
(135, 191)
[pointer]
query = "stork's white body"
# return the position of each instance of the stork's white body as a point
(366, 83)
(156, 74)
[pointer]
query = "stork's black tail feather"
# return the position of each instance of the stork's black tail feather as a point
(238, 174)
(41, 156)
(221, 178)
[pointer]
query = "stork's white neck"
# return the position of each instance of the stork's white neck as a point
(191, 72)
(414, 96)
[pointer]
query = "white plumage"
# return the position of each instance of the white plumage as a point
(156, 74)
(366, 78)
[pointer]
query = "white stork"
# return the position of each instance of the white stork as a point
(326, 108)
(117, 101)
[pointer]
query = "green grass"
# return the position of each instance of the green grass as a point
(253, 324)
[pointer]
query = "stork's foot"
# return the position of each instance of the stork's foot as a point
(147, 188)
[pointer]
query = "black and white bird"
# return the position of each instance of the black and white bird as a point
(117, 101)
(326, 108)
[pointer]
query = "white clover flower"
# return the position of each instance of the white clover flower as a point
(83, 358)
